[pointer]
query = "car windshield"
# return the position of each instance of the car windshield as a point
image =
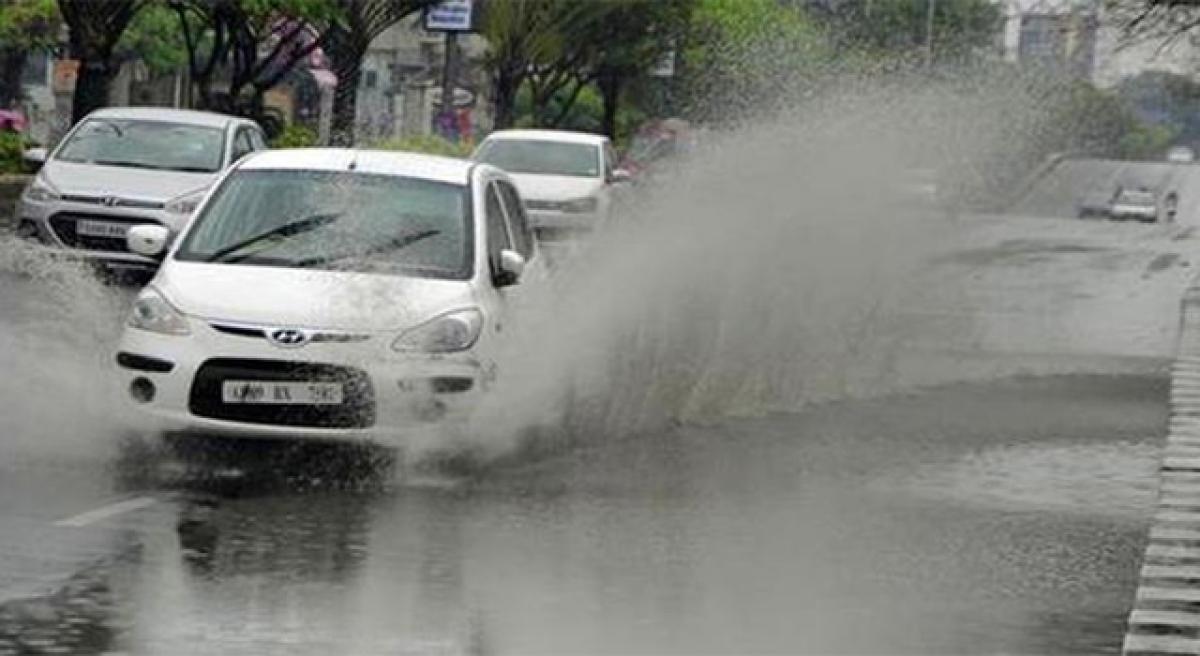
(336, 221)
(1136, 198)
(542, 157)
(146, 144)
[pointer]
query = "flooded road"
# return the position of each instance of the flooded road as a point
(982, 485)
(989, 518)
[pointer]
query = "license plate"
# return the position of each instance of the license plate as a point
(259, 392)
(101, 229)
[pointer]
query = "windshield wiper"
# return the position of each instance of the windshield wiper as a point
(393, 244)
(301, 226)
(132, 165)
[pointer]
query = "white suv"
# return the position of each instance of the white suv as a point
(126, 166)
(329, 294)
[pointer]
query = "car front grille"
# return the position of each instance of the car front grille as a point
(356, 411)
(64, 224)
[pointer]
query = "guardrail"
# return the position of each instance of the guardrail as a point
(10, 191)
(1166, 611)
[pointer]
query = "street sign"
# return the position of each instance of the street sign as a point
(450, 16)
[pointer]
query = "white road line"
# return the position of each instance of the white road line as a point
(105, 512)
(1164, 617)
(1161, 644)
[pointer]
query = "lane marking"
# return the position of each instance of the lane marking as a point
(107, 512)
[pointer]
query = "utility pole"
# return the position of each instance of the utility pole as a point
(930, 8)
(448, 121)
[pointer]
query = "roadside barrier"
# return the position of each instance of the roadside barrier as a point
(1166, 610)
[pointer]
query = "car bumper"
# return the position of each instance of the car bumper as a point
(410, 399)
(52, 224)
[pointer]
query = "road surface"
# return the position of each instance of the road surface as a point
(991, 497)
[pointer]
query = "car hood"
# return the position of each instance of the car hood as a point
(554, 187)
(124, 182)
(307, 298)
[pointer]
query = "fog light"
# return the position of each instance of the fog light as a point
(141, 390)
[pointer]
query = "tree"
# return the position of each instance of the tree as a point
(631, 38)
(94, 28)
(256, 43)
(25, 26)
(540, 42)
(360, 22)
(961, 28)
(746, 56)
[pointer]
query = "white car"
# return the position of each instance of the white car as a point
(128, 166)
(566, 178)
(329, 294)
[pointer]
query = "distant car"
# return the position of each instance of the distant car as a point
(566, 178)
(329, 294)
(127, 166)
(1135, 204)
(1181, 155)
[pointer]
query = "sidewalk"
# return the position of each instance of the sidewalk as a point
(1166, 612)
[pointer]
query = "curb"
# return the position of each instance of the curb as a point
(1165, 618)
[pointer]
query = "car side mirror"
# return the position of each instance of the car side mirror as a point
(35, 157)
(512, 265)
(621, 176)
(149, 240)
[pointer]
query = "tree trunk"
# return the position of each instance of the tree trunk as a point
(347, 55)
(610, 96)
(12, 63)
(91, 88)
(505, 99)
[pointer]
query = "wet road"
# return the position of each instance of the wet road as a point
(1004, 515)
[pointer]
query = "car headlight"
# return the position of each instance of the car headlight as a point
(186, 204)
(453, 331)
(40, 191)
(580, 205)
(152, 312)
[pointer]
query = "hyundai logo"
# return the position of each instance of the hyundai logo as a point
(288, 337)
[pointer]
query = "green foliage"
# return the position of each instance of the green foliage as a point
(12, 149)
(295, 136)
(430, 144)
(742, 55)
(961, 28)
(28, 24)
(154, 36)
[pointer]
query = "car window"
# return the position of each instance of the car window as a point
(242, 145)
(497, 230)
(145, 144)
(257, 141)
(518, 224)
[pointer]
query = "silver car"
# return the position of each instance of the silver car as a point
(127, 166)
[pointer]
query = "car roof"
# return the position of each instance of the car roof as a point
(169, 115)
(385, 162)
(566, 136)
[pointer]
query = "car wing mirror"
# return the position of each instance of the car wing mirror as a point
(35, 157)
(149, 240)
(511, 266)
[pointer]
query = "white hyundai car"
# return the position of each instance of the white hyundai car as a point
(125, 166)
(329, 294)
(566, 178)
